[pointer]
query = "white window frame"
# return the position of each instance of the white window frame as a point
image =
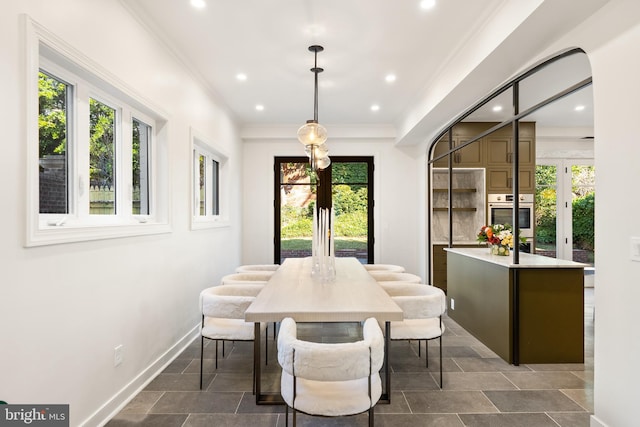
(47, 52)
(201, 147)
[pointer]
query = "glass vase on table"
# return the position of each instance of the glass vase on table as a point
(498, 249)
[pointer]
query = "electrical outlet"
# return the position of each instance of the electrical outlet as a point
(118, 355)
(453, 304)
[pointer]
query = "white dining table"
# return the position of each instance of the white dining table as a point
(353, 296)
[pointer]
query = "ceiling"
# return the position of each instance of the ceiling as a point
(365, 41)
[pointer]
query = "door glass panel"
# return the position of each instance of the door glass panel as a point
(468, 205)
(297, 200)
(582, 208)
(553, 79)
(350, 198)
(440, 204)
(496, 110)
(546, 210)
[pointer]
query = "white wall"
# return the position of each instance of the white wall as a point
(617, 152)
(395, 193)
(611, 38)
(64, 308)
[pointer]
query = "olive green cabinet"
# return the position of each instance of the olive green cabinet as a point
(499, 162)
(439, 277)
(471, 156)
(500, 180)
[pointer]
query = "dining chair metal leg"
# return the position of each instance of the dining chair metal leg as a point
(217, 353)
(286, 415)
(426, 352)
(440, 361)
(201, 356)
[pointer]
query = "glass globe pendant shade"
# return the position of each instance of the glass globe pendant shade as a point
(317, 151)
(312, 133)
(323, 163)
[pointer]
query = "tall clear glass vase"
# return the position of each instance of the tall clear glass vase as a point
(323, 251)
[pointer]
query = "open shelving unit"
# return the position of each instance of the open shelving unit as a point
(468, 213)
(468, 207)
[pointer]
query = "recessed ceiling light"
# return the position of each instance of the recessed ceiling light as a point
(260, 107)
(198, 4)
(390, 78)
(497, 108)
(579, 107)
(241, 77)
(427, 4)
(315, 30)
(375, 107)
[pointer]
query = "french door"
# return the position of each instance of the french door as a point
(346, 185)
(565, 199)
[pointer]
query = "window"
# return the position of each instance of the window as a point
(209, 171)
(140, 167)
(101, 153)
(53, 120)
(102, 150)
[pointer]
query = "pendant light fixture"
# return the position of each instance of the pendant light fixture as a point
(312, 134)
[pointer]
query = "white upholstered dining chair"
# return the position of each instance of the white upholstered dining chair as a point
(330, 379)
(391, 276)
(250, 278)
(423, 307)
(223, 310)
(384, 267)
(247, 278)
(257, 267)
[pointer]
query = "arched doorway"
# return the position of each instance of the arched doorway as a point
(546, 112)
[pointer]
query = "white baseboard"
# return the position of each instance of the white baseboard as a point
(128, 392)
(595, 422)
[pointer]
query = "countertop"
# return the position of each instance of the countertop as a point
(526, 260)
(459, 242)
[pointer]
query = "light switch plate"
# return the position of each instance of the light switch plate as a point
(635, 248)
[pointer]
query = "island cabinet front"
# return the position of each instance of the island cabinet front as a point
(529, 313)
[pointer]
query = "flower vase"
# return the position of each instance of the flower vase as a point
(502, 250)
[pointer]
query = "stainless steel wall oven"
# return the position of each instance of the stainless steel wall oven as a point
(500, 211)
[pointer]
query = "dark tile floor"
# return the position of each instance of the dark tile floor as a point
(479, 388)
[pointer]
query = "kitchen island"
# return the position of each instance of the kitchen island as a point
(531, 312)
